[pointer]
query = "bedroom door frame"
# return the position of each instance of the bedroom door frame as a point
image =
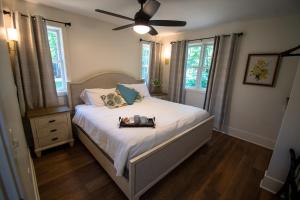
(17, 175)
(10, 185)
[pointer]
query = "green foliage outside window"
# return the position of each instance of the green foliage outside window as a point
(145, 61)
(206, 65)
(193, 56)
(56, 57)
(197, 65)
(52, 37)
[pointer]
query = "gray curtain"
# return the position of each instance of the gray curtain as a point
(32, 64)
(218, 89)
(155, 62)
(177, 70)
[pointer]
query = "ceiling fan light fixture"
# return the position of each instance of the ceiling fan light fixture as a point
(141, 29)
(141, 22)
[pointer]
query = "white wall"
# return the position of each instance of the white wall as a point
(91, 44)
(256, 112)
(289, 137)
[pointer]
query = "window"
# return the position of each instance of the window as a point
(58, 58)
(146, 52)
(198, 63)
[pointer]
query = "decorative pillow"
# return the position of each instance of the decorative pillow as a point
(93, 96)
(113, 100)
(140, 87)
(128, 94)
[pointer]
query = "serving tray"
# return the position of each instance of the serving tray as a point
(149, 124)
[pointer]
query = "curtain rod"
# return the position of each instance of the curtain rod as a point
(289, 52)
(142, 40)
(5, 12)
(206, 38)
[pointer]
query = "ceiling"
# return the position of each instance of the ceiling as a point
(197, 13)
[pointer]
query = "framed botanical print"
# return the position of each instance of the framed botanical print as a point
(261, 69)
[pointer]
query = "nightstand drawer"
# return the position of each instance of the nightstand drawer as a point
(50, 120)
(53, 129)
(52, 139)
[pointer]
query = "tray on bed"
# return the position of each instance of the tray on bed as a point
(150, 124)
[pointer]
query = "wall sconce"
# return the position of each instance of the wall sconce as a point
(12, 38)
(167, 61)
(167, 55)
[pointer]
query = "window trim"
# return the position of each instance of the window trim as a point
(61, 47)
(200, 67)
(195, 90)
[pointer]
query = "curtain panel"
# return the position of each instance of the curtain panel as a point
(177, 72)
(155, 63)
(218, 89)
(32, 64)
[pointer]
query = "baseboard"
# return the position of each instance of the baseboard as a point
(251, 137)
(270, 184)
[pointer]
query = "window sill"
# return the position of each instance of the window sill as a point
(195, 90)
(61, 93)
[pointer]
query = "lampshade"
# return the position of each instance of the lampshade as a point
(12, 34)
(167, 54)
(141, 29)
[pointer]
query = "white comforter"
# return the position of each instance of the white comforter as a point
(122, 144)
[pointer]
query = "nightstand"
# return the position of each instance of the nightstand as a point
(160, 95)
(50, 127)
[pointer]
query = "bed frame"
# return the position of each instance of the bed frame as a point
(148, 168)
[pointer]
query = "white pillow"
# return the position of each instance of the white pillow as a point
(140, 87)
(84, 97)
(93, 96)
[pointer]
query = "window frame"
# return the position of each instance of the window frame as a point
(147, 81)
(62, 57)
(200, 67)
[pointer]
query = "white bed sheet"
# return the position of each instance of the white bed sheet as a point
(122, 144)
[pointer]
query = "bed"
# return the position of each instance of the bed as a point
(136, 158)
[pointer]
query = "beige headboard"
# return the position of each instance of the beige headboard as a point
(102, 80)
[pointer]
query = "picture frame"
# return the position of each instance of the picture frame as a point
(261, 69)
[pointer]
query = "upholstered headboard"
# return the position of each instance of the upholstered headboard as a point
(101, 80)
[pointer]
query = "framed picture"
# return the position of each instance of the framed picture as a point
(261, 69)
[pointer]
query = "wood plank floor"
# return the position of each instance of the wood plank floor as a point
(226, 168)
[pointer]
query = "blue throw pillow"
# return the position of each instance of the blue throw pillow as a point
(128, 94)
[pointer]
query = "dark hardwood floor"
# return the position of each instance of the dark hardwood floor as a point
(226, 168)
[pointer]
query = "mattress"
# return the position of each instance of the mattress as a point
(122, 144)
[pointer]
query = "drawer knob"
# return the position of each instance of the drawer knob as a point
(53, 130)
(53, 139)
(51, 121)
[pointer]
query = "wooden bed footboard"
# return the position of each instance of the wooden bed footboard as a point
(148, 168)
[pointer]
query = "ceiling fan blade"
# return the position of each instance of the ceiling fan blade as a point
(123, 27)
(151, 7)
(167, 23)
(113, 14)
(152, 31)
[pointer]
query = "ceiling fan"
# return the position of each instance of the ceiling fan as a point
(141, 21)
